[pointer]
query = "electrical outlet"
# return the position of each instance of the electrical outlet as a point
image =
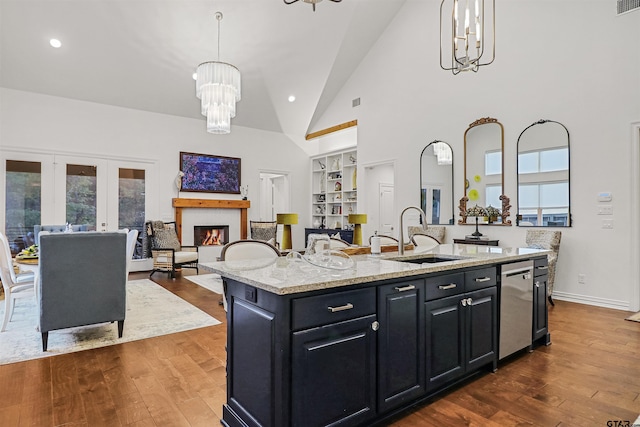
(607, 224)
(582, 279)
(250, 293)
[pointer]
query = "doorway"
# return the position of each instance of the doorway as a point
(379, 199)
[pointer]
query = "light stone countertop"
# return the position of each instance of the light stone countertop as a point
(284, 276)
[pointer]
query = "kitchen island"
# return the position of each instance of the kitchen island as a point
(311, 346)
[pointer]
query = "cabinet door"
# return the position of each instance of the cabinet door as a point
(401, 376)
(444, 340)
(334, 371)
(481, 328)
(540, 327)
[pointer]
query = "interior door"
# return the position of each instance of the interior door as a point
(386, 210)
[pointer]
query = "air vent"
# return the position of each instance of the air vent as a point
(625, 6)
(355, 102)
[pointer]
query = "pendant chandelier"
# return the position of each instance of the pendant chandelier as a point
(313, 2)
(218, 88)
(466, 34)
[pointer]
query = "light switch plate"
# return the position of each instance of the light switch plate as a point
(605, 210)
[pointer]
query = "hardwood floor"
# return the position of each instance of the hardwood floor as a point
(589, 375)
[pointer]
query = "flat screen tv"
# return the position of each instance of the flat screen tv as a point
(207, 173)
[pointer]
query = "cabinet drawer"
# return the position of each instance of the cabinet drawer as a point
(481, 278)
(334, 307)
(444, 286)
(540, 267)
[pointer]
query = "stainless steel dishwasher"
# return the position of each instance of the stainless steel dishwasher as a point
(516, 307)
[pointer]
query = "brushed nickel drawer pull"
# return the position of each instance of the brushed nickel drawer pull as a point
(347, 306)
(543, 267)
(405, 288)
(449, 286)
(483, 279)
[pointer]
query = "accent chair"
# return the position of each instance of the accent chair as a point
(546, 239)
(167, 252)
(82, 280)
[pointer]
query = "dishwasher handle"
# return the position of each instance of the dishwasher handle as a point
(526, 273)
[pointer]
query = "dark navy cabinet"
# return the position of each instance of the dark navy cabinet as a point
(355, 355)
(461, 326)
(540, 312)
(401, 352)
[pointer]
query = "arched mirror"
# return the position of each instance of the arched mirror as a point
(543, 175)
(436, 183)
(483, 166)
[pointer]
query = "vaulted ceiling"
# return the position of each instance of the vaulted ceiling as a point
(141, 54)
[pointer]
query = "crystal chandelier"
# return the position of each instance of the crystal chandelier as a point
(218, 88)
(467, 39)
(313, 2)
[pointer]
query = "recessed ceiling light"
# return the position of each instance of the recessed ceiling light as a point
(292, 98)
(55, 43)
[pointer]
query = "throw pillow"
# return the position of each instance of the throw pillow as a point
(166, 239)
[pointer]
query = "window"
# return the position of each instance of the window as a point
(131, 198)
(493, 162)
(81, 194)
(23, 199)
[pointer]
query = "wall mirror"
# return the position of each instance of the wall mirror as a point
(543, 175)
(436, 183)
(484, 182)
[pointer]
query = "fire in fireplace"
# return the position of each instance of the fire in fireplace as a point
(210, 235)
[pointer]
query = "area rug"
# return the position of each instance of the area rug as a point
(634, 317)
(213, 282)
(151, 311)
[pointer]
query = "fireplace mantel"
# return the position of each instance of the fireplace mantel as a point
(243, 205)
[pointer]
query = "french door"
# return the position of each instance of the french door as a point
(105, 194)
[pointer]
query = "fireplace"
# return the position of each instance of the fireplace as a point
(210, 235)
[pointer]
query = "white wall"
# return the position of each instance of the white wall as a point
(41, 122)
(572, 61)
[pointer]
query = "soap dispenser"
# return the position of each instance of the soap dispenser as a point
(375, 244)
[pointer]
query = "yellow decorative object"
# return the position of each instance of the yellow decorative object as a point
(473, 195)
(477, 178)
(286, 219)
(357, 220)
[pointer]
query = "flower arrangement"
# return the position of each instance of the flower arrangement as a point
(492, 213)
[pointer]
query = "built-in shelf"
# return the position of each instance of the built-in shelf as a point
(334, 193)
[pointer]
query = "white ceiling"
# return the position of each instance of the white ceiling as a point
(141, 54)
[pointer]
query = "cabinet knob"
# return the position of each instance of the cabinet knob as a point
(375, 326)
(469, 301)
(464, 302)
(537, 284)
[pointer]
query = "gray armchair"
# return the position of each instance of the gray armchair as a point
(82, 280)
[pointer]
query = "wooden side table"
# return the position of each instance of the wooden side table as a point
(482, 242)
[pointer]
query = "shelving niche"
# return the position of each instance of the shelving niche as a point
(334, 189)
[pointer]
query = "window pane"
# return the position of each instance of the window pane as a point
(22, 209)
(493, 193)
(81, 195)
(554, 195)
(528, 162)
(528, 196)
(493, 163)
(554, 160)
(131, 196)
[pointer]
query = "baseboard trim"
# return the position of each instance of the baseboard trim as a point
(595, 301)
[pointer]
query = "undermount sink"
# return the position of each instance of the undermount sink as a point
(432, 259)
